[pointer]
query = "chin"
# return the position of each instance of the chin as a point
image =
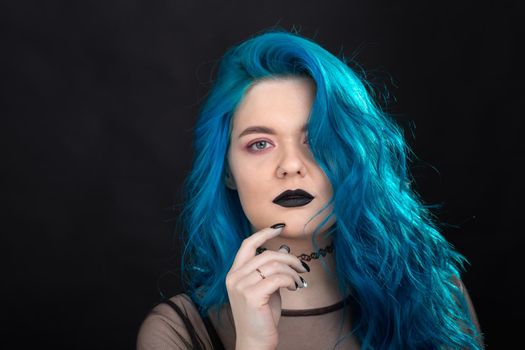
(295, 226)
(294, 218)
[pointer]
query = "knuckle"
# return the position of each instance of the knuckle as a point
(235, 288)
(267, 254)
(280, 279)
(239, 290)
(245, 242)
(275, 265)
(229, 281)
(229, 285)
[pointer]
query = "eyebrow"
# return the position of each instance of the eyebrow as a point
(263, 130)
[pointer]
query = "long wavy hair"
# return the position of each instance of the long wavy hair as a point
(389, 253)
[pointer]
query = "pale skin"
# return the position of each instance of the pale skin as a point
(262, 164)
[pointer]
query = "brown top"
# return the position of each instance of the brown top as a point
(164, 328)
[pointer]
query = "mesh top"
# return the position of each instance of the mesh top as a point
(179, 325)
(165, 329)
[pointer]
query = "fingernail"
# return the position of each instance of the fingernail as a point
(305, 266)
(278, 225)
(304, 282)
(284, 246)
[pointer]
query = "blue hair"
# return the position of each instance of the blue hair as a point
(389, 253)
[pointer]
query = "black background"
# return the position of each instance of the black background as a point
(98, 104)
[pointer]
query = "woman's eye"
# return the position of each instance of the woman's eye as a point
(259, 145)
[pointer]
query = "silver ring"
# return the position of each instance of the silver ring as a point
(260, 273)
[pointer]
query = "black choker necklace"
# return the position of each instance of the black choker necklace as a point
(307, 257)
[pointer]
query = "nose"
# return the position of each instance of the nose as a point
(291, 164)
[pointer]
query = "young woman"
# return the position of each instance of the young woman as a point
(302, 230)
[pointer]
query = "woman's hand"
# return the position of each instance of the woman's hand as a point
(256, 301)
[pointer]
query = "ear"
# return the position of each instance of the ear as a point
(229, 180)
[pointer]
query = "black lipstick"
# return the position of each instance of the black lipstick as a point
(295, 198)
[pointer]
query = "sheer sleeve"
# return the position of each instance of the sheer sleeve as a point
(471, 310)
(164, 328)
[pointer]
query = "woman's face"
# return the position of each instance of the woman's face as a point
(269, 154)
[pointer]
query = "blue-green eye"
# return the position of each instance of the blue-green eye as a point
(259, 145)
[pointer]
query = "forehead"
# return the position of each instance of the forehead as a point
(274, 102)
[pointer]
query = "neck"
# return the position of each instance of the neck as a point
(322, 287)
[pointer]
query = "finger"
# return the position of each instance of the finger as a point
(270, 256)
(270, 285)
(269, 269)
(249, 245)
(284, 249)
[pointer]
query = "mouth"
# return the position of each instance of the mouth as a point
(293, 198)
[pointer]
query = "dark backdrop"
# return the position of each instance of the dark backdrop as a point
(99, 99)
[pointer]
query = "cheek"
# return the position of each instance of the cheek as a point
(250, 191)
(249, 177)
(325, 183)
(329, 190)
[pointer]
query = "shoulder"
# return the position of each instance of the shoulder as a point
(469, 306)
(175, 324)
(461, 287)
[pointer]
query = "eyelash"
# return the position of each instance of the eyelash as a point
(254, 150)
(266, 141)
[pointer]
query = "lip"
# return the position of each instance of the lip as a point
(293, 198)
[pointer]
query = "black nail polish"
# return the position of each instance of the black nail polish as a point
(278, 225)
(305, 266)
(285, 247)
(304, 282)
